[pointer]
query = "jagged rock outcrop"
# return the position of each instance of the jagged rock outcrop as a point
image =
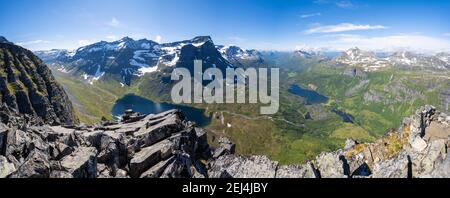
(163, 145)
(27, 87)
(167, 146)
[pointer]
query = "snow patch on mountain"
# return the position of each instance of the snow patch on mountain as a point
(144, 70)
(198, 44)
(444, 57)
(137, 64)
(92, 78)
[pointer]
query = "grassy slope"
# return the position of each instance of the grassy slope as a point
(92, 102)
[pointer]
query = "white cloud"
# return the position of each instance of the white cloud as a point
(111, 37)
(321, 1)
(345, 4)
(310, 15)
(138, 36)
(82, 43)
(236, 39)
(343, 27)
(413, 42)
(447, 34)
(305, 47)
(114, 22)
(35, 42)
(158, 38)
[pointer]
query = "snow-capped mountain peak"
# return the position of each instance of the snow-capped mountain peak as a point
(404, 57)
(55, 55)
(365, 59)
(235, 53)
(306, 51)
(411, 59)
(356, 55)
(201, 40)
(129, 58)
(309, 52)
(444, 56)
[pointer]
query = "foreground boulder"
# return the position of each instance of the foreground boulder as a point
(36, 165)
(6, 168)
(82, 163)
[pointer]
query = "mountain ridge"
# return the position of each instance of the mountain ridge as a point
(130, 59)
(29, 88)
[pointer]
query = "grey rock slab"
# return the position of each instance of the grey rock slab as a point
(157, 169)
(296, 171)
(149, 156)
(36, 165)
(331, 165)
(397, 167)
(243, 167)
(160, 131)
(6, 168)
(82, 163)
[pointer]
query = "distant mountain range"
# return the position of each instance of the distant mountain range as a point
(373, 61)
(370, 61)
(130, 59)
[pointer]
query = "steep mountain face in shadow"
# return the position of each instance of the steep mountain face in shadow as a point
(27, 87)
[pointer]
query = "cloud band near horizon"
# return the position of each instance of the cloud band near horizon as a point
(343, 27)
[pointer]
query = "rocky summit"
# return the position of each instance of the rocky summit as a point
(168, 146)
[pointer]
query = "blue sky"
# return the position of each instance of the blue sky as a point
(260, 24)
